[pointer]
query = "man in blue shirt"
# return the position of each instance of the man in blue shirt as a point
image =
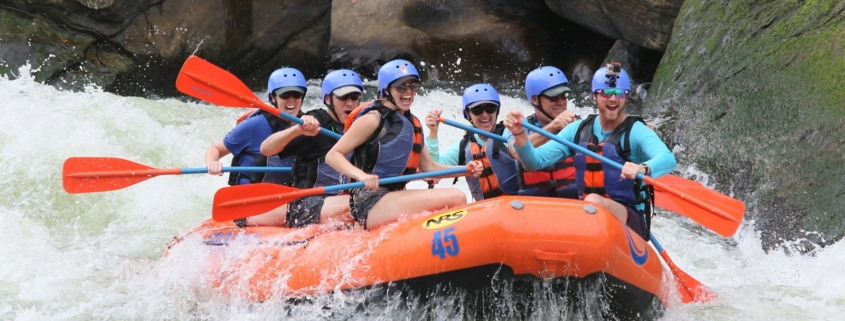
(613, 134)
(285, 89)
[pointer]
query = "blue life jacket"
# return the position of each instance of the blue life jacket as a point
(394, 148)
(593, 176)
(248, 159)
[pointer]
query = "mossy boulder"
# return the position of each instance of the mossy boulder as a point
(751, 92)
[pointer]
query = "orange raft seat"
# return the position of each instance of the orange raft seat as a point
(572, 249)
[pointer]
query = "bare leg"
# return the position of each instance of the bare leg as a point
(275, 217)
(336, 209)
(615, 208)
(395, 204)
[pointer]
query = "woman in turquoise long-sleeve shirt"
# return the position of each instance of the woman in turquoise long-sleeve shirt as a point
(646, 148)
(481, 108)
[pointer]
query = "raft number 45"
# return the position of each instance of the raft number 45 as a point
(445, 243)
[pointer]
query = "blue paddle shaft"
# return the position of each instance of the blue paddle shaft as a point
(655, 243)
(200, 170)
(475, 130)
(574, 146)
(299, 121)
(397, 179)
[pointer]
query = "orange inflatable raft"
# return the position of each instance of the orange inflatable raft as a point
(491, 241)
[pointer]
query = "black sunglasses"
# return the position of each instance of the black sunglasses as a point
(289, 94)
(353, 96)
(489, 108)
(401, 87)
(554, 99)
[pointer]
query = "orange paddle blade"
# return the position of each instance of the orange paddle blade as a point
(231, 203)
(100, 174)
(208, 82)
(690, 289)
(714, 210)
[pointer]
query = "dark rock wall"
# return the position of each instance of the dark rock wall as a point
(646, 23)
(137, 47)
(751, 92)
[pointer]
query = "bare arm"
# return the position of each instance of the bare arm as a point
(212, 158)
(357, 135)
(277, 142)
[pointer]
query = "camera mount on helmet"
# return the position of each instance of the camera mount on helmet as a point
(613, 70)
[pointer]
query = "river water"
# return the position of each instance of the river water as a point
(99, 256)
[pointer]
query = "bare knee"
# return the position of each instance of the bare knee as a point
(456, 197)
(275, 217)
(594, 198)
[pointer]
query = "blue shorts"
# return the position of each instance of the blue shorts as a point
(636, 221)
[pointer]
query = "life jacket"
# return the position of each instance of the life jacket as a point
(259, 160)
(499, 176)
(557, 180)
(394, 147)
(593, 176)
(245, 115)
(311, 170)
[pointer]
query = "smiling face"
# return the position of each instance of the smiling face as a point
(611, 109)
(553, 106)
(484, 121)
(343, 105)
(289, 102)
(403, 94)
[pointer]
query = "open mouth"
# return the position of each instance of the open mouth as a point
(406, 100)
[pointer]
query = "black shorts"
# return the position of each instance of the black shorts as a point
(362, 200)
(305, 211)
(636, 221)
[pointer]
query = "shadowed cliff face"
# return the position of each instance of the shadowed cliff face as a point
(137, 47)
(470, 41)
(751, 92)
(646, 23)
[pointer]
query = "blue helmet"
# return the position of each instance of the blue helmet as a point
(393, 70)
(340, 78)
(479, 93)
(543, 78)
(285, 77)
(601, 80)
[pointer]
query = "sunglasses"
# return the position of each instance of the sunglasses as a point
(289, 94)
(401, 87)
(489, 108)
(554, 99)
(607, 93)
(353, 96)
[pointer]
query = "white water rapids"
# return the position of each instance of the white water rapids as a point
(99, 256)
